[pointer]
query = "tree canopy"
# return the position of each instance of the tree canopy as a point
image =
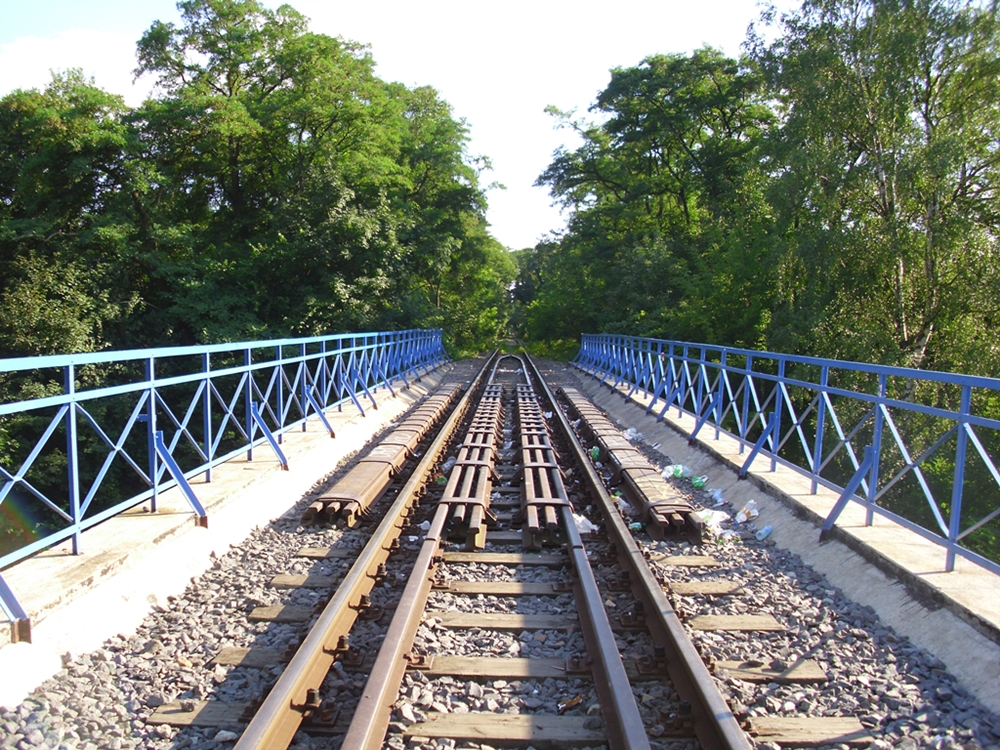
(273, 186)
(832, 192)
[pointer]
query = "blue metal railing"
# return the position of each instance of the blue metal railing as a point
(906, 444)
(76, 431)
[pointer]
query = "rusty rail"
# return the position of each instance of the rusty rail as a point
(295, 696)
(714, 723)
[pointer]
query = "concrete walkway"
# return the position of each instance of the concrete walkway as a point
(135, 560)
(955, 616)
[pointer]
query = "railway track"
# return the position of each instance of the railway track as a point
(476, 612)
(498, 559)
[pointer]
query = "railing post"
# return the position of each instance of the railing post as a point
(304, 384)
(154, 464)
(778, 408)
(72, 455)
(248, 400)
(720, 398)
(279, 392)
(748, 386)
(324, 394)
(955, 515)
(701, 374)
(824, 380)
(876, 453)
(206, 367)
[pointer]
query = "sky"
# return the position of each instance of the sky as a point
(498, 64)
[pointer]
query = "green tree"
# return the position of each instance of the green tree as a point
(62, 233)
(665, 197)
(887, 168)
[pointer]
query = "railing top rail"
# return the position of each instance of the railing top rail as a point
(16, 364)
(975, 381)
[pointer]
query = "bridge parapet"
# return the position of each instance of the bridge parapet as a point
(917, 447)
(84, 437)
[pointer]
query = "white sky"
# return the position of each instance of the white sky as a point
(499, 63)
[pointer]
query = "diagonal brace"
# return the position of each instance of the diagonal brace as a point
(182, 482)
(259, 421)
(848, 492)
(759, 445)
(20, 623)
(319, 411)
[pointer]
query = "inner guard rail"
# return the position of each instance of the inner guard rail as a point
(888, 438)
(163, 416)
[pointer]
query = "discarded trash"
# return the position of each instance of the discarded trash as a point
(677, 471)
(747, 512)
(595, 452)
(441, 479)
(762, 534)
(716, 495)
(726, 536)
(425, 525)
(713, 519)
(575, 423)
(562, 707)
(547, 414)
(636, 526)
(583, 524)
(448, 464)
(699, 482)
(632, 434)
(623, 507)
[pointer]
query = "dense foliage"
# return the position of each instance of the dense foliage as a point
(833, 192)
(275, 186)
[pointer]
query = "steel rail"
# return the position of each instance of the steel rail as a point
(715, 725)
(293, 697)
(622, 720)
(371, 717)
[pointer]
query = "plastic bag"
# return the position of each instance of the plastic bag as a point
(632, 434)
(699, 482)
(713, 519)
(583, 524)
(716, 495)
(726, 536)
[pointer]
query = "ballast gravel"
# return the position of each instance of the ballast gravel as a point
(100, 701)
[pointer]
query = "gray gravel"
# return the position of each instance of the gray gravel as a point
(101, 700)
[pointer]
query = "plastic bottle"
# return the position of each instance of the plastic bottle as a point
(595, 452)
(636, 526)
(762, 533)
(699, 482)
(749, 511)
